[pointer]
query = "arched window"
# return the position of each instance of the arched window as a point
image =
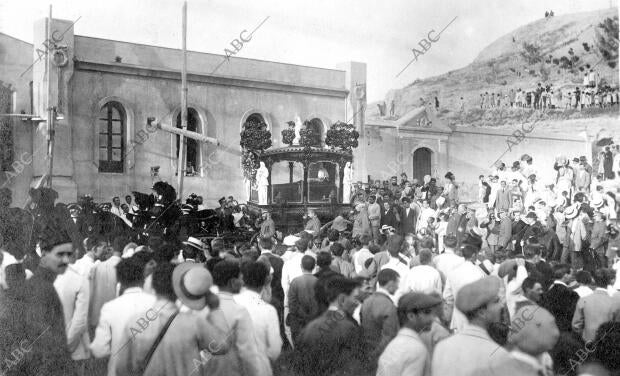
(192, 147)
(317, 126)
(256, 118)
(112, 125)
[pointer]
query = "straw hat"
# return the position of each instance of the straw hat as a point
(191, 283)
(571, 212)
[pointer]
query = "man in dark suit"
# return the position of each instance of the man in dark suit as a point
(332, 343)
(505, 229)
(301, 299)
(378, 315)
(390, 216)
(560, 300)
(502, 202)
(408, 217)
(457, 224)
(277, 292)
(519, 227)
(43, 317)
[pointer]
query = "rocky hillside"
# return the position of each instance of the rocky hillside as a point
(555, 50)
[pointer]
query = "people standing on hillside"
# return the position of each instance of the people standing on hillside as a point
(519, 98)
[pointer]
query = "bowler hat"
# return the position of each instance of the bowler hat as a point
(191, 283)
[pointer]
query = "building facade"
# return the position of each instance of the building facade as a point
(104, 91)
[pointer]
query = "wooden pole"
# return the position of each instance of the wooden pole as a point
(188, 134)
(50, 109)
(181, 158)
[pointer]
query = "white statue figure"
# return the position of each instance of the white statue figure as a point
(346, 183)
(298, 126)
(262, 183)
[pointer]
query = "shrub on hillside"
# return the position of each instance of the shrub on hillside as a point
(556, 61)
(586, 47)
(531, 53)
(607, 40)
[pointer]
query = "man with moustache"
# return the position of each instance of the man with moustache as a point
(44, 317)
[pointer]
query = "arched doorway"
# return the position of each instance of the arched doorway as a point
(422, 159)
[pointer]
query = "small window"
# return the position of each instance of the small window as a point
(112, 128)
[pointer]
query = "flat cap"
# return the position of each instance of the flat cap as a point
(417, 301)
(476, 294)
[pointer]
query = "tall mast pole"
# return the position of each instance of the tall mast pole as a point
(50, 109)
(181, 159)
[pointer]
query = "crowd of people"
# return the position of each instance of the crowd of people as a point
(590, 95)
(411, 281)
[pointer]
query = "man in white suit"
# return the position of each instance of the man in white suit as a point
(465, 273)
(73, 289)
(110, 335)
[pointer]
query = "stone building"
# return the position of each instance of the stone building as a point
(105, 90)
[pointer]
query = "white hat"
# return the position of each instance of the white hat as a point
(571, 212)
(598, 202)
(196, 243)
(290, 240)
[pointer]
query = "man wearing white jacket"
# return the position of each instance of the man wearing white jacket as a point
(73, 290)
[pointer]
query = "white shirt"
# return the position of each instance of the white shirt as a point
(458, 277)
(73, 290)
(360, 258)
(616, 267)
(514, 292)
(425, 214)
(447, 261)
(266, 324)
(403, 272)
(111, 336)
(7, 259)
(85, 264)
(291, 270)
(116, 210)
(405, 355)
(424, 279)
(583, 291)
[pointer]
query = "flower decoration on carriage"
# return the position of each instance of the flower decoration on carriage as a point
(308, 139)
(255, 139)
(343, 136)
(288, 135)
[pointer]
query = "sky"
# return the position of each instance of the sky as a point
(320, 33)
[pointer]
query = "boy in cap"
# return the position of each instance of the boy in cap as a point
(407, 354)
(471, 351)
